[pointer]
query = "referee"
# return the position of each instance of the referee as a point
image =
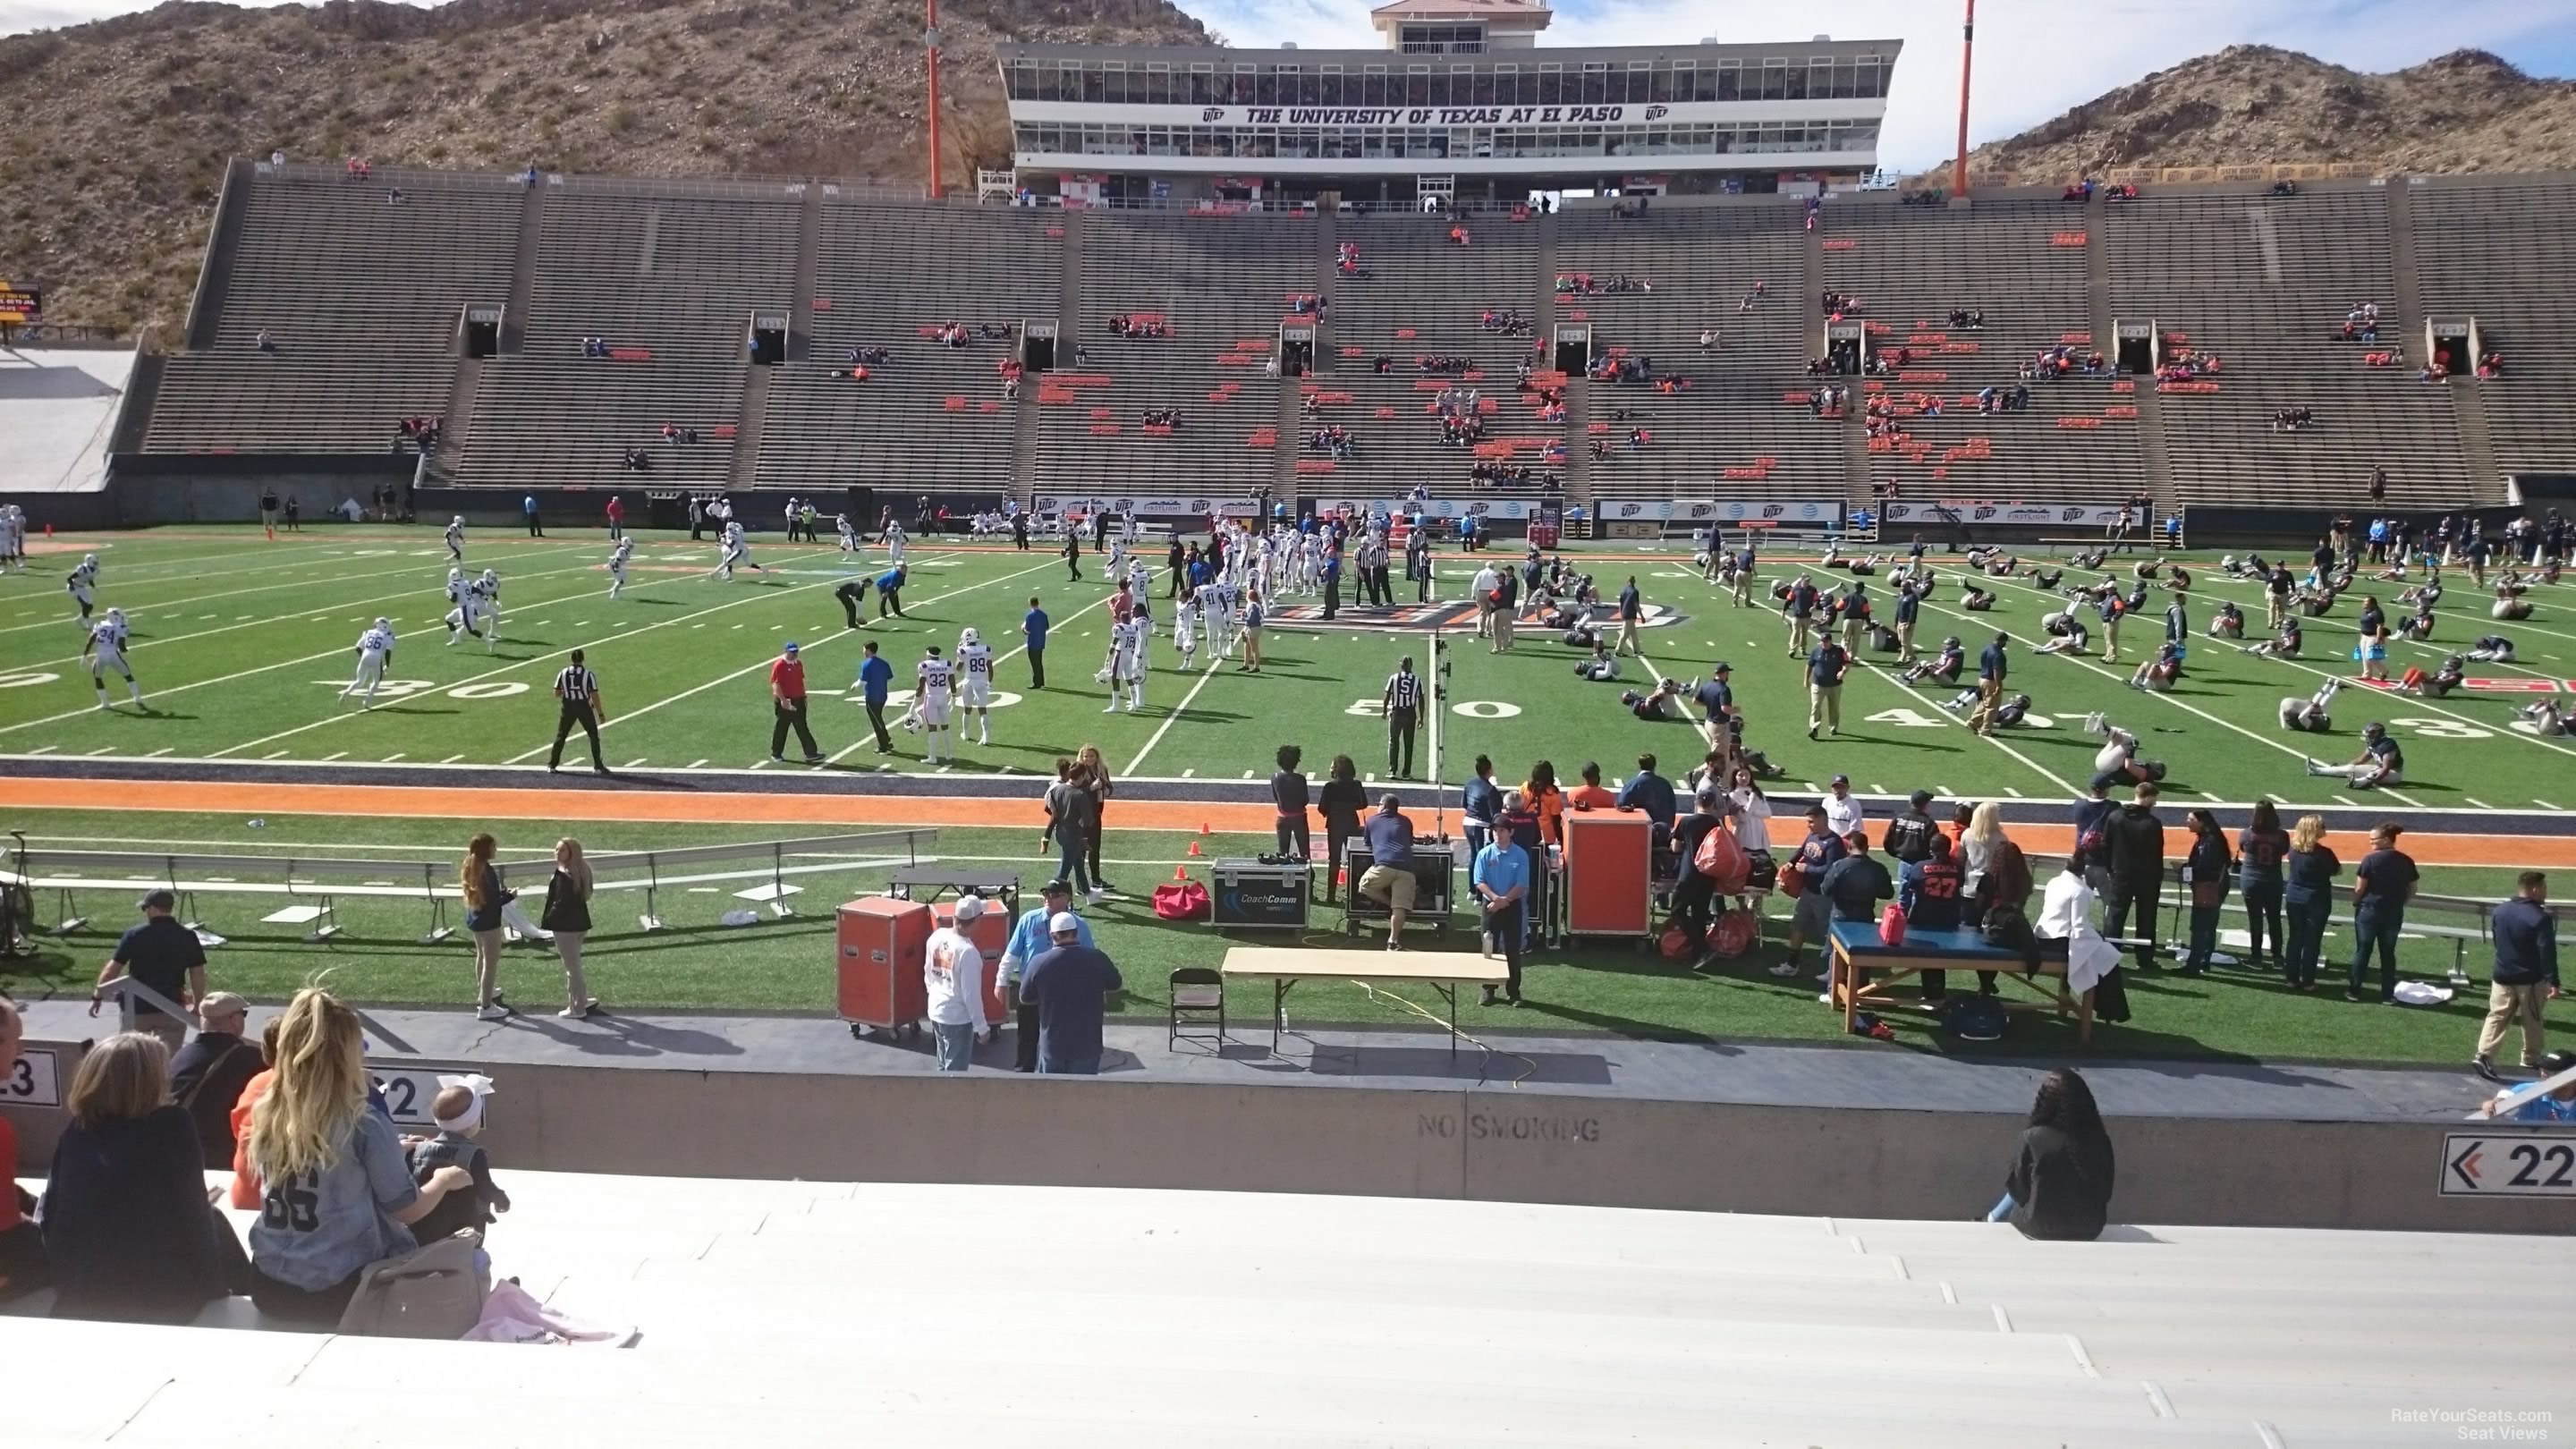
(1402, 703)
(578, 688)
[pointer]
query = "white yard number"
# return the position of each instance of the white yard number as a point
(1906, 718)
(1367, 708)
(24, 678)
(406, 688)
(1485, 709)
(2444, 729)
(488, 689)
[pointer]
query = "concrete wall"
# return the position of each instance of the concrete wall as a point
(1485, 1144)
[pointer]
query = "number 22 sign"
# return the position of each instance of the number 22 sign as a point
(2516, 1166)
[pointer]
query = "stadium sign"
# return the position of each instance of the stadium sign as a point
(2008, 515)
(21, 305)
(1432, 115)
(1448, 616)
(1431, 508)
(1147, 505)
(1776, 511)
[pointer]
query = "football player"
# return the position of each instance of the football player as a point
(105, 651)
(975, 661)
(375, 655)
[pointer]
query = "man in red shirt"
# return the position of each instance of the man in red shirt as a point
(616, 517)
(787, 704)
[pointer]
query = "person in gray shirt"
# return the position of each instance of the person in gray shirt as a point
(337, 1191)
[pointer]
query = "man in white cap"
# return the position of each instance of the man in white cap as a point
(953, 970)
(1030, 939)
(1071, 985)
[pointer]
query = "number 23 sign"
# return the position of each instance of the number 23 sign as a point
(2514, 1166)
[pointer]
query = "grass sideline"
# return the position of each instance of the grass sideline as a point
(784, 966)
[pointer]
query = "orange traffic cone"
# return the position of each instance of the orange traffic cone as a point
(1194, 847)
(1203, 828)
(1180, 872)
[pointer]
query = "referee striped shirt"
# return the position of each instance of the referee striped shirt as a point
(1404, 691)
(576, 684)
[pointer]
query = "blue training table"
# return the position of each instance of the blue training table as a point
(1858, 948)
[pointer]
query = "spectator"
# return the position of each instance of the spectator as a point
(1091, 776)
(1288, 796)
(1694, 893)
(1843, 813)
(2524, 979)
(2060, 1184)
(787, 705)
(1590, 795)
(163, 955)
(1068, 808)
(1545, 799)
(2382, 884)
(1811, 919)
(1033, 626)
(2205, 872)
(2065, 928)
(2135, 838)
(528, 505)
(1390, 880)
(1070, 984)
(1999, 884)
(1340, 802)
(1651, 793)
(338, 1191)
(567, 920)
(458, 1110)
(245, 1193)
(208, 1074)
(1500, 876)
(2260, 848)
(1911, 833)
(1855, 885)
(129, 1234)
(484, 897)
(2307, 893)
(1481, 803)
(22, 1243)
(953, 971)
(1030, 940)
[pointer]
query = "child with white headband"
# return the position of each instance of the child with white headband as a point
(458, 1110)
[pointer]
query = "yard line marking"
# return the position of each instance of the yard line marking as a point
(146, 610)
(165, 749)
(334, 755)
(389, 759)
(2543, 804)
(2345, 800)
(2016, 794)
(1813, 786)
(757, 765)
(452, 759)
(824, 642)
(42, 750)
(2277, 799)
(2213, 799)
(1947, 792)
(2395, 795)
(101, 750)
(693, 764)
(2474, 800)
(1876, 788)
(1185, 774)
(1247, 774)
(274, 755)
(1136, 765)
(631, 764)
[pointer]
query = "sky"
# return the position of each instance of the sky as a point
(2035, 58)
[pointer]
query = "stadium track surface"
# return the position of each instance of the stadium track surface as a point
(2443, 838)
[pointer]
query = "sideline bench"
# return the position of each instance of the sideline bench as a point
(1856, 945)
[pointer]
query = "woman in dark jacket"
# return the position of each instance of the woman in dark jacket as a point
(128, 1231)
(1091, 777)
(567, 918)
(481, 883)
(2060, 1183)
(2206, 870)
(1342, 802)
(2307, 891)
(2260, 847)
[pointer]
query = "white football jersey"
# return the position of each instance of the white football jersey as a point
(82, 576)
(934, 676)
(1130, 637)
(458, 590)
(109, 637)
(376, 641)
(625, 550)
(976, 660)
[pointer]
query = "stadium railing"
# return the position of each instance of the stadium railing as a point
(315, 885)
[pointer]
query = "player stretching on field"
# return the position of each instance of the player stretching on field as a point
(375, 655)
(105, 651)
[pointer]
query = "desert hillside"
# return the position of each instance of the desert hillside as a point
(119, 131)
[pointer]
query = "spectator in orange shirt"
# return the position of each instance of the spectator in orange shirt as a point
(1546, 801)
(246, 1185)
(1589, 795)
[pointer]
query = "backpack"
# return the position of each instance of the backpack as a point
(1975, 1018)
(1720, 857)
(1185, 900)
(1731, 936)
(1764, 874)
(1891, 925)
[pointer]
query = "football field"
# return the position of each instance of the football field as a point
(242, 646)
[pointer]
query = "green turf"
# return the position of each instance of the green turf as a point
(786, 965)
(242, 644)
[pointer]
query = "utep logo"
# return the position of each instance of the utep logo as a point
(2071, 515)
(1629, 510)
(1985, 513)
(1657, 113)
(1212, 113)
(1774, 510)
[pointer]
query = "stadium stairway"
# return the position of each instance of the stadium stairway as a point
(2496, 250)
(794, 1313)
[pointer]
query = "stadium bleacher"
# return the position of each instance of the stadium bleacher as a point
(362, 296)
(785, 1312)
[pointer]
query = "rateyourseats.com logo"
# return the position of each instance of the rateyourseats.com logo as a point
(2481, 1426)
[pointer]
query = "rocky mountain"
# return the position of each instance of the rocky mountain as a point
(118, 131)
(2466, 111)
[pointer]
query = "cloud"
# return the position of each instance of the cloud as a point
(2035, 58)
